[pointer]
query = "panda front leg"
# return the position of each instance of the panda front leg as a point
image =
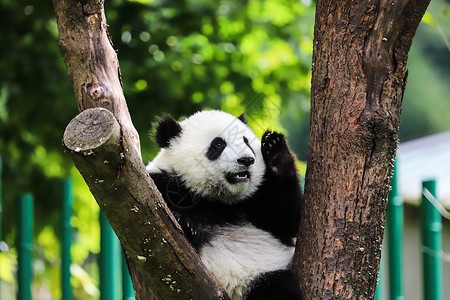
(276, 207)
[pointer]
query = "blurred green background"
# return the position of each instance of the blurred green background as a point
(176, 57)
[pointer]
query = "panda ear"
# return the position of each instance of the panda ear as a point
(242, 118)
(166, 129)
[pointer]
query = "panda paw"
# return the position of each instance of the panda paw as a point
(276, 153)
(272, 143)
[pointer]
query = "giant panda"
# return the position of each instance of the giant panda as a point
(236, 198)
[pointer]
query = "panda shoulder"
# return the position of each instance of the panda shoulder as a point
(158, 164)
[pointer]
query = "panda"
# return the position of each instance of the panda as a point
(236, 198)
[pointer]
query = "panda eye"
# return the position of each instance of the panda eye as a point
(216, 148)
(219, 143)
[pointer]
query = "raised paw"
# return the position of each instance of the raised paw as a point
(272, 143)
(276, 153)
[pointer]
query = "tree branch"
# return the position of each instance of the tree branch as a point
(91, 61)
(105, 148)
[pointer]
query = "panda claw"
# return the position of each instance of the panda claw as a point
(273, 143)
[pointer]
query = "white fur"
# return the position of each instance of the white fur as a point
(187, 156)
(237, 254)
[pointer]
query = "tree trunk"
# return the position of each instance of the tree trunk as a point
(105, 148)
(358, 79)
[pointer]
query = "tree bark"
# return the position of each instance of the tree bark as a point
(358, 79)
(91, 60)
(105, 148)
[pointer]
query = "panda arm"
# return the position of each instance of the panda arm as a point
(188, 213)
(276, 206)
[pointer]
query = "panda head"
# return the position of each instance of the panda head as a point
(214, 153)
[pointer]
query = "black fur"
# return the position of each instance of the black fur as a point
(166, 130)
(276, 205)
(277, 285)
(248, 144)
(216, 148)
(242, 118)
(195, 214)
(275, 208)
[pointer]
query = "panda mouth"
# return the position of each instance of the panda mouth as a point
(239, 177)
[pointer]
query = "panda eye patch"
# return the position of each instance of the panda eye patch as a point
(219, 143)
(216, 148)
(248, 144)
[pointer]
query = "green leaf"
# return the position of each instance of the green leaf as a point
(428, 19)
(6, 271)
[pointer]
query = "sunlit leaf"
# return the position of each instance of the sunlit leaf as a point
(85, 279)
(141, 84)
(428, 19)
(49, 243)
(7, 266)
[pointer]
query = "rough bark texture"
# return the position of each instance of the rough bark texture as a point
(105, 148)
(359, 75)
(92, 61)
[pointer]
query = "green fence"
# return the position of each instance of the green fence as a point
(114, 276)
(394, 235)
(431, 239)
(24, 245)
(431, 225)
(66, 240)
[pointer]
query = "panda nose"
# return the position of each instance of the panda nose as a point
(246, 161)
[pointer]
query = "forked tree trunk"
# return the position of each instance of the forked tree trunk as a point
(359, 76)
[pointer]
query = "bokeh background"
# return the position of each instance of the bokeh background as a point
(176, 57)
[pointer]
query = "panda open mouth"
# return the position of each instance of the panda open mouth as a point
(239, 177)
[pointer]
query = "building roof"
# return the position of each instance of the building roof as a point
(423, 159)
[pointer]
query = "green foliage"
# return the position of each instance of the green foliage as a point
(210, 54)
(428, 19)
(426, 99)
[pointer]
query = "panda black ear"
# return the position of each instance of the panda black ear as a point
(242, 118)
(166, 129)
